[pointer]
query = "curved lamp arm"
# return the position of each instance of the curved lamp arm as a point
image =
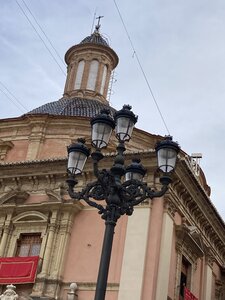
(156, 194)
(84, 194)
(134, 192)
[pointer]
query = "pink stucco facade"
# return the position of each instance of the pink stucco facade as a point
(169, 243)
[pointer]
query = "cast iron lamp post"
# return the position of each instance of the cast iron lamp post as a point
(118, 193)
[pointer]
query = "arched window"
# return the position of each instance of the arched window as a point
(103, 79)
(92, 76)
(80, 70)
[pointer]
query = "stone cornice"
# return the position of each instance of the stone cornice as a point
(185, 184)
(193, 189)
(64, 159)
(194, 203)
(56, 167)
(44, 206)
(196, 185)
(91, 47)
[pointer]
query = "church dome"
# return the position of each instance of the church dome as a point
(95, 38)
(75, 107)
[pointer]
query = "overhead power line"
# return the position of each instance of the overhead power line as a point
(13, 98)
(46, 46)
(140, 65)
(42, 30)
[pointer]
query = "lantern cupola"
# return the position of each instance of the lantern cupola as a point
(90, 64)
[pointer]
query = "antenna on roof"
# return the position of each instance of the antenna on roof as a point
(92, 26)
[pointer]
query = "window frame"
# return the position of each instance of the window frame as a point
(79, 74)
(29, 222)
(30, 239)
(93, 74)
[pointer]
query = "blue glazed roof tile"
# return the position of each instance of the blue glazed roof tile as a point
(72, 107)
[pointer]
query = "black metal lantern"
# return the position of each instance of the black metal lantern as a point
(109, 193)
(135, 170)
(167, 151)
(102, 126)
(125, 120)
(77, 156)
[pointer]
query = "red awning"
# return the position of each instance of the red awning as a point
(18, 269)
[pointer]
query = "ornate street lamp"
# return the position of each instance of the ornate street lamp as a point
(118, 193)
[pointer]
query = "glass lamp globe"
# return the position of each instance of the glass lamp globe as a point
(77, 156)
(102, 126)
(125, 120)
(167, 151)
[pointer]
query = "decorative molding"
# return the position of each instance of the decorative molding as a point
(169, 207)
(10, 293)
(53, 196)
(187, 244)
(5, 146)
(197, 209)
(218, 289)
(187, 247)
(209, 258)
(14, 197)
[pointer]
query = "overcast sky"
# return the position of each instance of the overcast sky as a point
(180, 44)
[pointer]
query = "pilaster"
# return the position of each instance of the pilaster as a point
(85, 74)
(49, 245)
(132, 273)
(65, 228)
(208, 275)
(36, 138)
(99, 77)
(165, 251)
(6, 232)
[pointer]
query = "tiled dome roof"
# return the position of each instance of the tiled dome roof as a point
(72, 107)
(95, 38)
